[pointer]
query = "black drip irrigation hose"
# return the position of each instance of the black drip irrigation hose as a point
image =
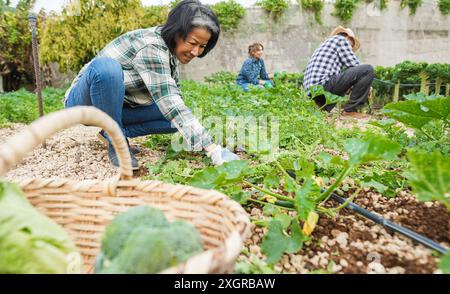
(386, 223)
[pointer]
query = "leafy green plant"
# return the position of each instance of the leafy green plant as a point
(440, 73)
(412, 4)
(284, 233)
(21, 106)
(444, 6)
(315, 6)
(429, 176)
(229, 13)
(221, 77)
(420, 110)
(274, 7)
(408, 71)
(344, 9)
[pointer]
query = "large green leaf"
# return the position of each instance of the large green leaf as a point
(209, 178)
(276, 241)
(297, 238)
(227, 173)
(429, 176)
(371, 147)
(416, 113)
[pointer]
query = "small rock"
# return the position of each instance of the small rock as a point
(392, 248)
(315, 261)
(343, 263)
(428, 204)
(335, 232)
(323, 261)
(342, 239)
(336, 268)
(331, 242)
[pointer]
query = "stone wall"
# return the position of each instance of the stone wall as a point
(387, 38)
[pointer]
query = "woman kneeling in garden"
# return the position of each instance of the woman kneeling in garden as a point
(135, 79)
(253, 71)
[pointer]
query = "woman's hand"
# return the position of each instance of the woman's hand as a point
(220, 155)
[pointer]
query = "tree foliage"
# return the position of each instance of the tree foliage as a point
(86, 26)
(15, 43)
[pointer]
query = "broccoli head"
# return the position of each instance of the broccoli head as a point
(152, 249)
(119, 230)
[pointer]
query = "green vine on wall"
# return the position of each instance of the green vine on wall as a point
(315, 6)
(383, 4)
(344, 9)
(444, 6)
(229, 14)
(274, 7)
(412, 4)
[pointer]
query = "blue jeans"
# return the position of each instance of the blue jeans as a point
(102, 86)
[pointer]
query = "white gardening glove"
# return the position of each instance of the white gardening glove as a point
(220, 155)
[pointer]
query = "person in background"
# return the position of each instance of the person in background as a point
(335, 66)
(253, 71)
(135, 80)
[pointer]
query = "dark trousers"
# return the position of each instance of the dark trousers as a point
(359, 78)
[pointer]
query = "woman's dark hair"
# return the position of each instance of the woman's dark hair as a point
(186, 16)
(342, 34)
(253, 47)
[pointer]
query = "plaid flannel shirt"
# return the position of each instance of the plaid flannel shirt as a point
(329, 59)
(151, 76)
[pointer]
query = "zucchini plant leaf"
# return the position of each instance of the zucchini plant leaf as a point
(416, 114)
(209, 178)
(429, 176)
(227, 173)
(297, 238)
(272, 180)
(276, 242)
(305, 198)
(371, 147)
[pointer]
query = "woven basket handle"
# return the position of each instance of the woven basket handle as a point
(18, 146)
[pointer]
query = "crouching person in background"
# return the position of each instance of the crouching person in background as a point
(253, 71)
(335, 66)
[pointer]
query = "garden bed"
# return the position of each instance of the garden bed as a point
(346, 244)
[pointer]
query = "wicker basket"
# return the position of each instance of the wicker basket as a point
(84, 208)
